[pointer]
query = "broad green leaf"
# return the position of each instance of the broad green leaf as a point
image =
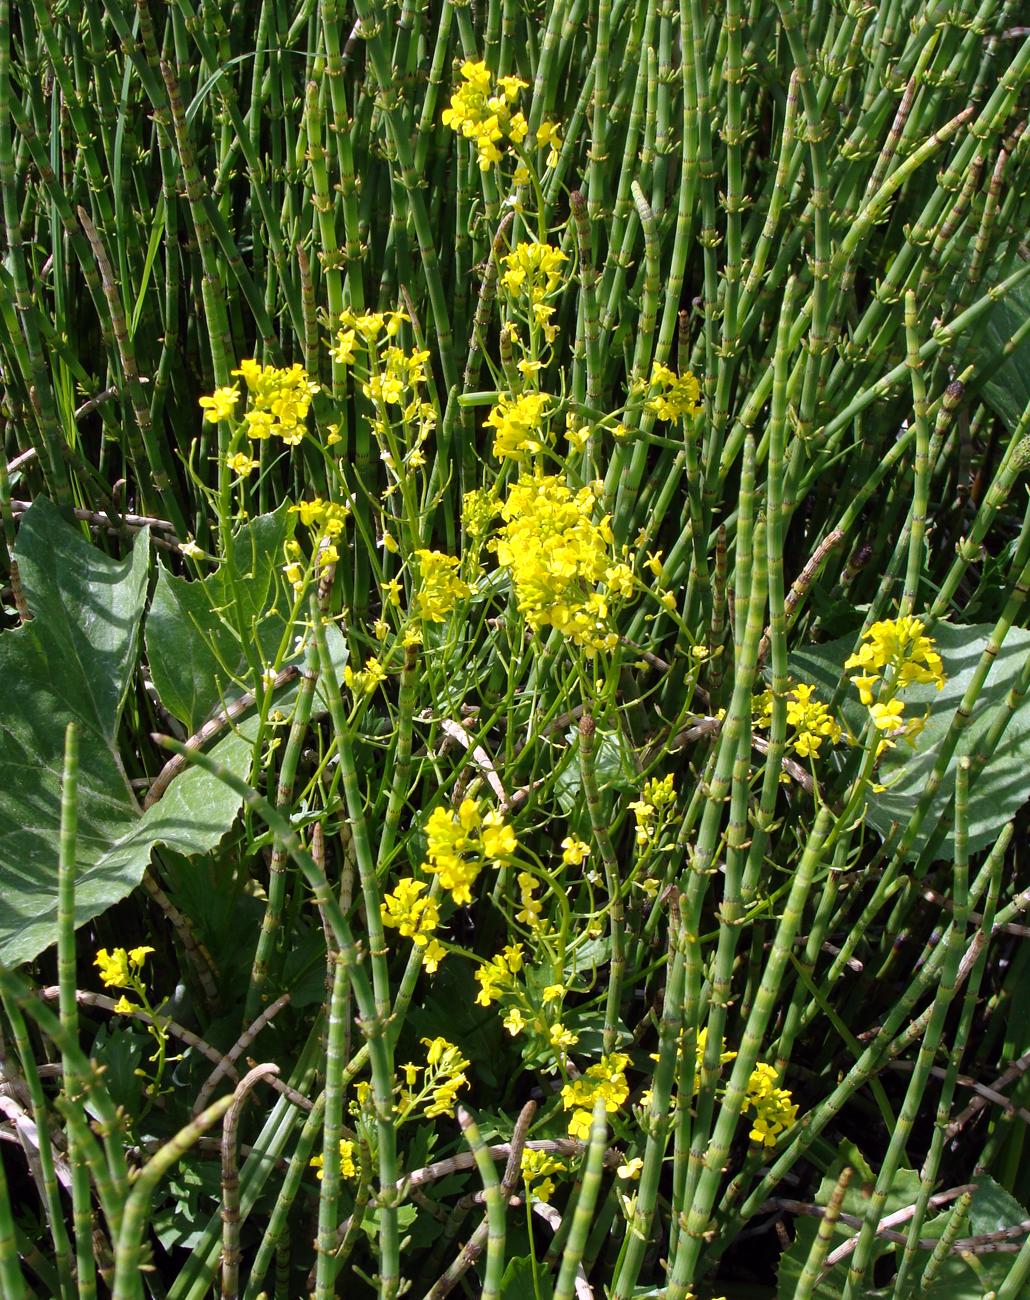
(204, 636)
(856, 1199)
(74, 661)
(999, 790)
(517, 1282)
(991, 1210)
(1007, 387)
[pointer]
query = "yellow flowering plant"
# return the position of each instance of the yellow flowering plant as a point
(122, 968)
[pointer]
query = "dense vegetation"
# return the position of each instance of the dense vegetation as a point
(513, 724)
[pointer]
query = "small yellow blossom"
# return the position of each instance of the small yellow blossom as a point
(241, 464)
(348, 1169)
(548, 135)
(537, 1166)
(574, 851)
(221, 404)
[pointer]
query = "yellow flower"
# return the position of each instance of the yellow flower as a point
(532, 271)
(519, 425)
(677, 395)
(432, 955)
(537, 1166)
(440, 588)
(348, 1169)
(548, 135)
(220, 405)
(514, 1022)
(630, 1169)
(887, 717)
(560, 1038)
(113, 967)
(574, 851)
(241, 464)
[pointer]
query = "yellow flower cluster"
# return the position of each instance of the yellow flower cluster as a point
(537, 1167)
(461, 843)
(122, 969)
(897, 648)
(676, 396)
(497, 974)
(440, 588)
(810, 721)
(478, 511)
(278, 401)
(347, 1166)
(606, 1079)
(364, 681)
(393, 381)
(519, 425)
(442, 1077)
(483, 112)
(532, 907)
(649, 811)
(533, 270)
(416, 917)
(773, 1109)
(397, 382)
(532, 274)
(557, 555)
(116, 968)
(431, 1088)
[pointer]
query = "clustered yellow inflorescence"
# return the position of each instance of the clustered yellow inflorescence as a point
(462, 843)
(772, 1108)
(348, 1169)
(442, 1077)
(537, 1166)
(532, 274)
(606, 1080)
(895, 653)
(497, 974)
(439, 587)
(416, 915)
(123, 969)
(651, 809)
(519, 425)
(675, 396)
(559, 558)
(484, 111)
(810, 721)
